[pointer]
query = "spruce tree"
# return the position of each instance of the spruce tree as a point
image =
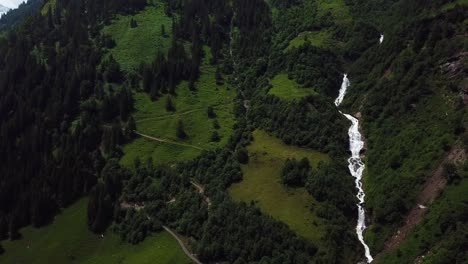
(210, 112)
(180, 131)
(170, 105)
(215, 137)
(163, 31)
(216, 124)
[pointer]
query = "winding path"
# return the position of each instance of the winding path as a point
(187, 252)
(201, 191)
(162, 140)
(182, 245)
(219, 107)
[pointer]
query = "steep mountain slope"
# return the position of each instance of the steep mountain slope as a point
(169, 115)
(18, 11)
(410, 92)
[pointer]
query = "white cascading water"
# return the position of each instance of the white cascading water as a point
(381, 38)
(356, 166)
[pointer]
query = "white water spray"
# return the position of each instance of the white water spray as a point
(381, 38)
(356, 166)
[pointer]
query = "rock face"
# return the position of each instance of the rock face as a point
(455, 66)
(456, 69)
(3, 10)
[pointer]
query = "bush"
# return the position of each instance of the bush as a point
(242, 156)
(215, 137)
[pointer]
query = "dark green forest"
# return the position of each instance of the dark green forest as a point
(68, 110)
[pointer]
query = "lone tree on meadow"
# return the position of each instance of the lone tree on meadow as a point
(215, 137)
(210, 112)
(163, 31)
(180, 131)
(216, 124)
(133, 23)
(170, 105)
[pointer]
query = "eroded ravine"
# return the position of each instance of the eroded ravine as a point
(356, 166)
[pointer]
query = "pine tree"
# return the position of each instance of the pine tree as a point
(133, 23)
(242, 155)
(215, 137)
(210, 112)
(163, 31)
(216, 124)
(191, 85)
(180, 131)
(170, 105)
(219, 77)
(131, 124)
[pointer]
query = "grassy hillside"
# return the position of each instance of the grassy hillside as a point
(154, 120)
(140, 44)
(68, 240)
(262, 185)
(320, 39)
(288, 89)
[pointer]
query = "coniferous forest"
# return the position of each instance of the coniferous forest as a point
(215, 123)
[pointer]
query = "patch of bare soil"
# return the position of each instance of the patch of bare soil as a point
(431, 190)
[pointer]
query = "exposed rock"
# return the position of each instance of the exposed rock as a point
(454, 66)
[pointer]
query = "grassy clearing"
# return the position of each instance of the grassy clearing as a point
(69, 241)
(140, 44)
(154, 120)
(47, 5)
(336, 8)
(321, 39)
(262, 184)
(288, 89)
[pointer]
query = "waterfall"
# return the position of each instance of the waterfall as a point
(356, 166)
(381, 38)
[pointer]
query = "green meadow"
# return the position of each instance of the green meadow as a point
(262, 184)
(321, 39)
(288, 89)
(154, 120)
(140, 44)
(68, 240)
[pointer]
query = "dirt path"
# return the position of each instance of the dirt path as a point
(219, 107)
(201, 191)
(182, 245)
(125, 205)
(162, 140)
(431, 190)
